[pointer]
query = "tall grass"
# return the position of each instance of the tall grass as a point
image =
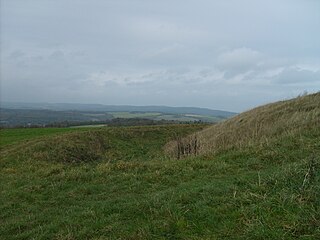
(259, 125)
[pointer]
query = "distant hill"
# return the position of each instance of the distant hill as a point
(35, 117)
(117, 108)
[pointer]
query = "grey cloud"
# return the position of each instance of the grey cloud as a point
(57, 55)
(238, 61)
(16, 54)
(239, 58)
(220, 54)
(298, 76)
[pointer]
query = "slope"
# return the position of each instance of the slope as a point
(259, 125)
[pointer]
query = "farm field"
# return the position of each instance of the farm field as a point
(168, 117)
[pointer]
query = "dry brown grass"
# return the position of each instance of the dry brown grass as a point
(258, 125)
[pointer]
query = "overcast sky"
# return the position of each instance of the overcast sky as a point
(226, 54)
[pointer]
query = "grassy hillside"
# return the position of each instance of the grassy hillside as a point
(117, 183)
(13, 136)
(257, 126)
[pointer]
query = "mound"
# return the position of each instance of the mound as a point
(258, 125)
(71, 148)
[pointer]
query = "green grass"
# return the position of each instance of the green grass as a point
(10, 136)
(133, 191)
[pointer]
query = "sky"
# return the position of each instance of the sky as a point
(220, 54)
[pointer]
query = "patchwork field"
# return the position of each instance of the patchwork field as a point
(169, 117)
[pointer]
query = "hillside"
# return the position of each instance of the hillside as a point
(118, 183)
(259, 125)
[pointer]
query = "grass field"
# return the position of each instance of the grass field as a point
(10, 136)
(117, 183)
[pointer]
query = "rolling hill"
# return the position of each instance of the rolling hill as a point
(117, 108)
(44, 114)
(255, 176)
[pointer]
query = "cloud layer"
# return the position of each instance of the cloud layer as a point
(230, 55)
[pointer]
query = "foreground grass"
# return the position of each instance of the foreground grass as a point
(133, 191)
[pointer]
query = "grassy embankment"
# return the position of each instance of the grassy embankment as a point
(117, 183)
